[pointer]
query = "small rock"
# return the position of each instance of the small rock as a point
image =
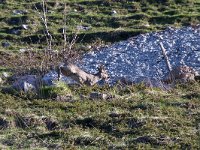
(1, 80)
(114, 12)
(145, 25)
(51, 78)
(19, 12)
(3, 123)
(51, 124)
(26, 83)
(5, 75)
(24, 26)
(96, 95)
(84, 28)
(5, 44)
(15, 31)
(22, 50)
(64, 98)
(2, 1)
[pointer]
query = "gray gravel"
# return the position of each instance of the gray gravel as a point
(142, 55)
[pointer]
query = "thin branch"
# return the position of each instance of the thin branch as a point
(166, 57)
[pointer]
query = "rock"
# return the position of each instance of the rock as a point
(19, 12)
(5, 44)
(51, 124)
(2, 1)
(114, 12)
(100, 96)
(51, 78)
(64, 98)
(25, 27)
(3, 123)
(1, 80)
(5, 75)
(15, 31)
(22, 50)
(83, 28)
(27, 83)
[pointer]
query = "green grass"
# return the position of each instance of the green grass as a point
(131, 17)
(138, 118)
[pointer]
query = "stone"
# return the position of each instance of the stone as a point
(114, 12)
(2, 1)
(19, 12)
(100, 96)
(51, 124)
(5, 75)
(15, 31)
(1, 80)
(64, 98)
(51, 78)
(83, 28)
(5, 44)
(3, 123)
(25, 27)
(27, 83)
(22, 50)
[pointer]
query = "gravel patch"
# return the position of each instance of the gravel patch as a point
(142, 55)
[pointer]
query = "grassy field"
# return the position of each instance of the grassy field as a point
(94, 21)
(135, 117)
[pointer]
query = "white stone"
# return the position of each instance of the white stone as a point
(24, 26)
(27, 83)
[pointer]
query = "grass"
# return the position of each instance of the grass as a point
(138, 117)
(131, 16)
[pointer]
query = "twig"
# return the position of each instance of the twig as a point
(166, 57)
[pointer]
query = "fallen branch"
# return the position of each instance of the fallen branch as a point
(166, 57)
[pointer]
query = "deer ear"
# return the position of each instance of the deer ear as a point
(58, 69)
(101, 67)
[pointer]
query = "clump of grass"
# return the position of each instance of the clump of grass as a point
(60, 88)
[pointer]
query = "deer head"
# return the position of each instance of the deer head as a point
(102, 73)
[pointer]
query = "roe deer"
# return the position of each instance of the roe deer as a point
(82, 77)
(180, 73)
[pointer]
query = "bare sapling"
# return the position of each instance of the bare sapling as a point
(82, 77)
(64, 29)
(45, 21)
